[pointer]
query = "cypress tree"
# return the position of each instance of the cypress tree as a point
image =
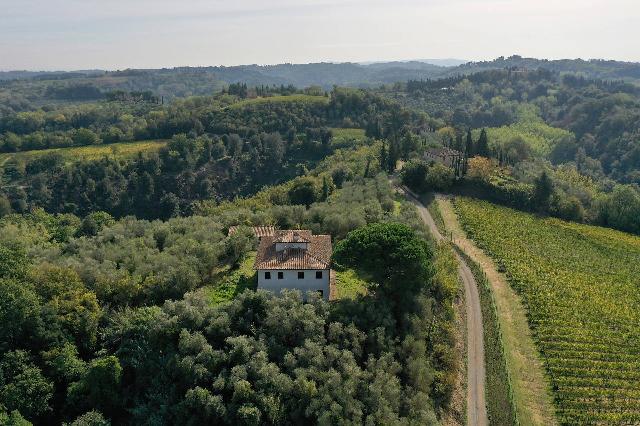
(468, 149)
(542, 192)
(459, 146)
(326, 190)
(383, 156)
(482, 148)
(392, 157)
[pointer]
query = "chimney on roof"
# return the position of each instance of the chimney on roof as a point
(291, 240)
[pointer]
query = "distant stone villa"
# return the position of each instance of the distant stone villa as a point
(449, 157)
(443, 155)
(294, 259)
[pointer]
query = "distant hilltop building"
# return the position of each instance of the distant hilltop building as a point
(294, 259)
(443, 155)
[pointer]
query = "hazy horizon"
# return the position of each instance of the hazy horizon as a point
(72, 34)
(433, 61)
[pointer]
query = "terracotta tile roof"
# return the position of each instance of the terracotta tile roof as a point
(259, 231)
(316, 256)
(293, 236)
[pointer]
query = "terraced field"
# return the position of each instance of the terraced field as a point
(581, 287)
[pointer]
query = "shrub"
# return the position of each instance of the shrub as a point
(414, 175)
(440, 177)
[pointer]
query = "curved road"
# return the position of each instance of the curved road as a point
(476, 406)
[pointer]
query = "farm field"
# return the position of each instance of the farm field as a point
(579, 285)
(91, 152)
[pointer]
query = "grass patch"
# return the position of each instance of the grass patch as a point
(232, 282)
(398, 200)
(432, 205)
(397, 206)
(350, 284)
(91, 152)
(347, 138)
(342, 132)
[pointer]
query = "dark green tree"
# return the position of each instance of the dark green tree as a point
(458, 144)
(304, 191)
(414, 175)
(468, 147)
(393, 156)
(20, 315)
(542, 193)
(395, 257)
(482, 147)
(99, 387)
(383, 157)
(23, 387)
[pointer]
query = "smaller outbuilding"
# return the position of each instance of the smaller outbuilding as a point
(258, 231)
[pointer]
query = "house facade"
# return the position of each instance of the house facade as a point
(295, 259)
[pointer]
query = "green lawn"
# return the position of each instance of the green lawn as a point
(232, 282)
(349, 284)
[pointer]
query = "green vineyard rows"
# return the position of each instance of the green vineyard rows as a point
(581, 289)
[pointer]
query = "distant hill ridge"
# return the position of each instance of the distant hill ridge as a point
(188, 81)
(362, 73)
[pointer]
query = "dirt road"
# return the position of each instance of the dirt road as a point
(476, 406)
(531, 390)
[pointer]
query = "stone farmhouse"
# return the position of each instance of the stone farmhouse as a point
(295, 259)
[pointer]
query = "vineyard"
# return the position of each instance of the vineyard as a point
(90, 152)
(581, 288)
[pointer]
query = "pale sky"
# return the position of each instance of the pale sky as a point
(117, 34)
